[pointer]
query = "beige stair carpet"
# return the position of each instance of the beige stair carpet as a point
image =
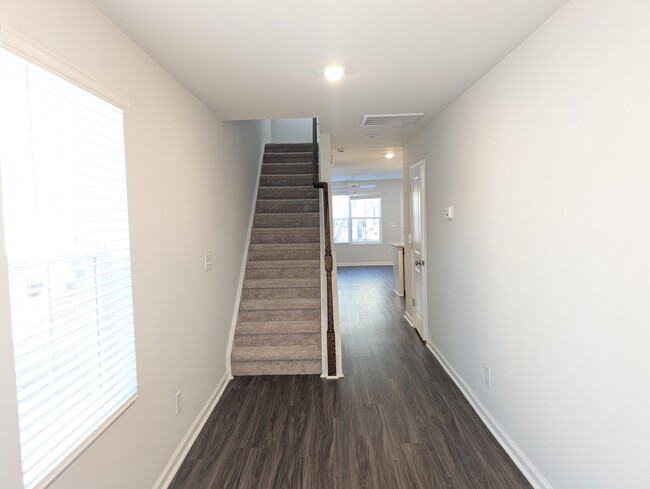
(278, 330)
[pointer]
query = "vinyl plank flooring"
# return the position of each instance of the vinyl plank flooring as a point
(396, 420)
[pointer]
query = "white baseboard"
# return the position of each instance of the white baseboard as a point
(188, 440)
(529, 470)
(409, 319)
(365, 264)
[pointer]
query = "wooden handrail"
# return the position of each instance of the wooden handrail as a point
(329, 262)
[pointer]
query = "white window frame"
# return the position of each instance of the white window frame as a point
(350, 218)
(32, 52)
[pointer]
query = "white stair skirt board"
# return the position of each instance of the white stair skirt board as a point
(188, 440)
(366, 264)
(242, 272)
(527, 467)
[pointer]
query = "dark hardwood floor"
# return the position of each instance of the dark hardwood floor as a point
(396, 420)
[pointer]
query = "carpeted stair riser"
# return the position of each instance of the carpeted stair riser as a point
(261, 273)
(279, 235)
(303, 192)
(279, 220)
(294, 283)
(286, 293)
(289, 352)
(304, 157)
(279, 315)
(287, 169)
(300, 367)
(315, 264)
(277, 339)
(283, 246)
(280, 304)
(273, 255)
(286, 180)
(288, 148)
(287, 205)
(279, 327)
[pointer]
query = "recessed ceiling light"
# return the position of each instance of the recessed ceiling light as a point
(334, 73)
(390, 155)
(372, 136)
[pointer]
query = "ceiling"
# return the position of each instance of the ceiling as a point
(261, 59)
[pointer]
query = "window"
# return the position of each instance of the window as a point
(67, 239)
(356, 218)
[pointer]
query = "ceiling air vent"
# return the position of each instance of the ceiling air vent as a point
(391, 119)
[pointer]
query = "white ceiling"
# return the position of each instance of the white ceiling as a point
(262, 59)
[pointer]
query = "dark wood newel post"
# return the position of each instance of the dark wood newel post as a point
(329, 261)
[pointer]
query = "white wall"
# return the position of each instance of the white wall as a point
(544, 274)
(358, 254)
(190, 184)
(292, 130)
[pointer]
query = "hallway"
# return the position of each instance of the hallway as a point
(395, 421)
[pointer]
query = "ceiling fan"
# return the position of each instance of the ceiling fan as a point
(353, 185)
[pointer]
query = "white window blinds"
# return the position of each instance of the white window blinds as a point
(356, 218)
(67, 239)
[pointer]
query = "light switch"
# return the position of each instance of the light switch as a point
(207, 260)
(449, 212)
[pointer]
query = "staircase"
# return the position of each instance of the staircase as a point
(279, 324)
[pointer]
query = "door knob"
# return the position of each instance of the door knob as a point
(419, 262)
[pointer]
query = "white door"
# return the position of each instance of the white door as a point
(418, 261)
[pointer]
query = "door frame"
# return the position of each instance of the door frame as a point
(423, 254)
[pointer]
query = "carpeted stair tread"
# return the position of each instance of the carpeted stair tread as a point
(278, 327)
(275, 339)
(277, 353)
(289, 148)
(280, 315)
(288, 158)
(287, 205)
(281, 283)
(285, 235)
(284, 252)
(287, 168)
(284, 264)
(294, 367)
(282, 293)
(283, 246)
(282, 220)
(301, 180)
(291, 192)
(282, 273)
(279, 304)
(283, 255)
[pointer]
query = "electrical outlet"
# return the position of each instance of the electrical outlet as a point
(179, 402)
(488, 380)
